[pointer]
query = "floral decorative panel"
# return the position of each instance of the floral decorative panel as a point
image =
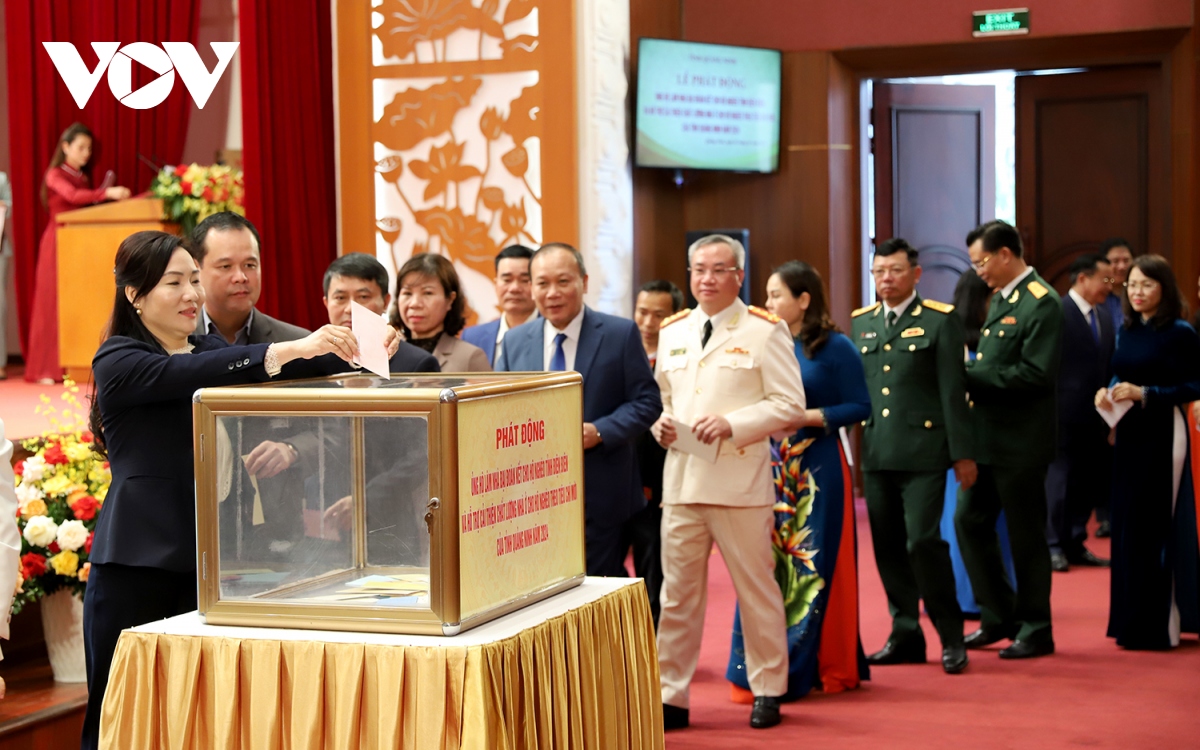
(452, 107)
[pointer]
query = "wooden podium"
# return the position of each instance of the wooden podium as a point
(87, 246)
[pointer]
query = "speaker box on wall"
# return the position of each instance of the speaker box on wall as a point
(742, 236)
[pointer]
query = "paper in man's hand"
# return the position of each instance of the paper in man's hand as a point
(371, 331)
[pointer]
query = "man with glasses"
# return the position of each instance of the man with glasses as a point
(912, 350)
(1118, 252)
(728, 375)
(1012, 389)
(1073, 485)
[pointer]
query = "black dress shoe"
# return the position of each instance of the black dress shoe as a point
(765, 712)
(1027, 650)
(674, 717)
(984, 637)
(1087, 559)
(1104, 530)
(1059, 562)
(911, 651)
(954, 659)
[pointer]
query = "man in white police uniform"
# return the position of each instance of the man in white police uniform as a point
(729, 372)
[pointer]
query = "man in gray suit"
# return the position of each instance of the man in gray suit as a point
(226, 248)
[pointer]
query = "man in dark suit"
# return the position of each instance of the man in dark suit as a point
(912, 351)
(620, 397)
(656, 301)
(1011, 384)
(226, 248)
(358, 277)
(514, 292)
(1074, 486)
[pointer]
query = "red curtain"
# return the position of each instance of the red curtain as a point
(287, 134)
(41, 108)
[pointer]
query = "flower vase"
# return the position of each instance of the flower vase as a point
(62, 626)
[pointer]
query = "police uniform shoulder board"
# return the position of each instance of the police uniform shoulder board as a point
(936, 306)
(766, 315)
(864, 310)
(677, 316)
(1036, 289)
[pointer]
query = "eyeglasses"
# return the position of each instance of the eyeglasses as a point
(1107, 280)
(716, 273)
(986, 259)
(1147, 285)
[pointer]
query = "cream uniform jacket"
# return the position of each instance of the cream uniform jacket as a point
(748, 374)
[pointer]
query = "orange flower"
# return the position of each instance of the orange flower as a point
(406, 22)
(443, 168)
(517, 161)
(491, 124)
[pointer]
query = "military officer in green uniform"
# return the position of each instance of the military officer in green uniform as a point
(913, 352)
(1012, 390)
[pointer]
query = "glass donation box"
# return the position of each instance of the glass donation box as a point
(424, 504)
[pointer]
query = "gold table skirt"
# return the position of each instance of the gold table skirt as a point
(578, 670)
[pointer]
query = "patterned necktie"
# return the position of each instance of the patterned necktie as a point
(1095, 324)
(891, 318)
(707, 333)
(558, 362)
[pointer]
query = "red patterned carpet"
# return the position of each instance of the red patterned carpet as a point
(1089, 694)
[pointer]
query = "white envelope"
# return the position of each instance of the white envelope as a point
(686, 441)
(1118, 410)
(371, 331)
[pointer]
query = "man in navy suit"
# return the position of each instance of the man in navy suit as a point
(620, 398)
(514, 292)
(1076, 481)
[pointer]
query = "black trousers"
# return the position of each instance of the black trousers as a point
(605, 555)
(1076, 483)
(643, 532)
(1020, 491)
(120, 597)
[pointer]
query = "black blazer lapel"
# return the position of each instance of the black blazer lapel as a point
(590, 337)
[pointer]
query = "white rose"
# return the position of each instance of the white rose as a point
(27, 492)
(71, 535)
(40, 531)
(35, 469)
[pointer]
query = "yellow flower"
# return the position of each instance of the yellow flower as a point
(78, 452)
(101, 493)
(33, 508)
(76, 493)
(56, 485)
(84, 571)
(65, 563)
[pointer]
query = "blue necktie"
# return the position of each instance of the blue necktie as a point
(1095, 324)
(558, 362)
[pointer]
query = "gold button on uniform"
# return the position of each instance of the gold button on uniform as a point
(886, 391)
(698, 390)
(1001, 334)
(702, 364)
(912, 347)
(887, 368)
(887, 412)
(987, 331)
(928, 424)
(979, 355)
(971, 404)
(864, 350)
(887, 347)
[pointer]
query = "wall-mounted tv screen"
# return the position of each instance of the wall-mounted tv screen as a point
(707, 106)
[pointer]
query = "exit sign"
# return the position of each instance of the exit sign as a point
(1000, 22)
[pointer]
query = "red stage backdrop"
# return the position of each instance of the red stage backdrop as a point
(41, 107)
(287, 144)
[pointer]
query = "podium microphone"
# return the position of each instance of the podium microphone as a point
(149, 163)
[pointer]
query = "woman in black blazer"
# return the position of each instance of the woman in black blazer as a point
(144, 552)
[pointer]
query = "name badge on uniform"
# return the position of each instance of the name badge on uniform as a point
(1008, 320)
(736, 350)
(677, 352)
(908, 333)
(868, 335)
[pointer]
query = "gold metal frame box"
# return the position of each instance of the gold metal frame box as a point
(424, 504)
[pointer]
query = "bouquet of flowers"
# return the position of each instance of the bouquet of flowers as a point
(191, 193)
(60, 489)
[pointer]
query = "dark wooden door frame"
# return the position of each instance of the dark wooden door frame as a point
(1173, 49)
